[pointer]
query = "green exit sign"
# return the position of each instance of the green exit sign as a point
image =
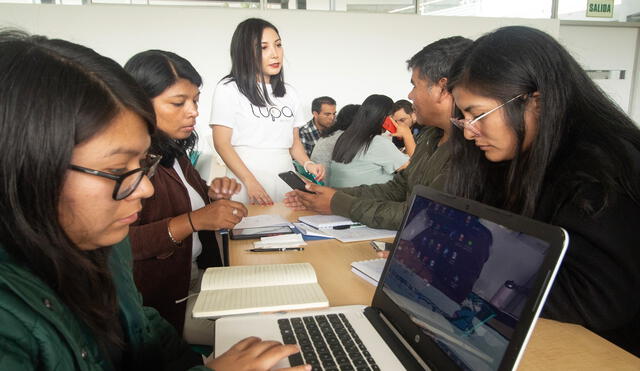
(600, 8)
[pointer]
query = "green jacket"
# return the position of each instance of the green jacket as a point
(38, 331)
(383, 205)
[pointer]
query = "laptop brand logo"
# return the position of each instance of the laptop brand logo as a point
(416, 338)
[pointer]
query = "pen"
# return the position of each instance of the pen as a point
(271, 249)
(348, 226)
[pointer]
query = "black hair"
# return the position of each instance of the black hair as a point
(55, 95)
(155, 71)
(246, 63)
(316, 104)
(343, 120)
(581, 133)
(404, 105)
(434, 60)
(367, 123)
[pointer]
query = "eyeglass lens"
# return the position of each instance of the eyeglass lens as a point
(130, 183)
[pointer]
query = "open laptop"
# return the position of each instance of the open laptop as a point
(462, 289)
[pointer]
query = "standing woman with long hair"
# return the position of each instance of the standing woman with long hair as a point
(75, 165)
(540, 139)
(361, 154)
(174, 239)
(255, 116)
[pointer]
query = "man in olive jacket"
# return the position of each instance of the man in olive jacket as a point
(384, 205)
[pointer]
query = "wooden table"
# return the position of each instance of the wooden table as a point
(553, 345)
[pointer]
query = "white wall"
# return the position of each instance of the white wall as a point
(606, 48)
(344, 55)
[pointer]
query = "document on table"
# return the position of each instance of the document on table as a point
(258, 221)
(359, 234)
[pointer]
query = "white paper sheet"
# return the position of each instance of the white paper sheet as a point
(257, 221)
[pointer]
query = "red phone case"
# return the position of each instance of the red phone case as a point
(389, 126)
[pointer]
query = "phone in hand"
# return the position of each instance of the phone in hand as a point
(294, 181)
(389, 126)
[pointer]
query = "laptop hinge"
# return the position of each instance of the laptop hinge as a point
(405, 353)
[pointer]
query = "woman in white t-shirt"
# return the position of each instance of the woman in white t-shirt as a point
(255, 116)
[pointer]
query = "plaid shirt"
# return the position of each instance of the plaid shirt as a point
(309, 135)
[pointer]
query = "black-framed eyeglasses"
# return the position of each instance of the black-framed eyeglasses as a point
(126, 183)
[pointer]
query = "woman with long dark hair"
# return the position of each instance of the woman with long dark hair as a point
(541, 139)
(362, 155)
(174, 239)
(74, 163)
(324, 147)
(255, 116)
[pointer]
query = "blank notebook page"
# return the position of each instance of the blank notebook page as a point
(259, 299)
(257, 275)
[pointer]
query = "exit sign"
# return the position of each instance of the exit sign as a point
(600, 8)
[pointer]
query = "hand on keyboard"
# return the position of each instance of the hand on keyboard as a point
(254, 354)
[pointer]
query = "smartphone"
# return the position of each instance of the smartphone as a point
(381, 246)
(294, 181)
(389, 126)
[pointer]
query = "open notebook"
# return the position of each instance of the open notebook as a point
(258, 288)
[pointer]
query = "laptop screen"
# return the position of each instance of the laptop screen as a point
(463, 280)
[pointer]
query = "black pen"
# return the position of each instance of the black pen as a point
(348, 226)
(272, 249)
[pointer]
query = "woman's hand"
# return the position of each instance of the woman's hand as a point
(221, 214)
(402, 130)
(257, 194)
(255, 355)
(317, 170)
(223, 188)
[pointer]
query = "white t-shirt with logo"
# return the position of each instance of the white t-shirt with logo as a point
(258, 127)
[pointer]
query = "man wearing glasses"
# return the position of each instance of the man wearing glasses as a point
(383, 205)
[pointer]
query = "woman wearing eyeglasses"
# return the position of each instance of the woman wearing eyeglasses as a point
(539, 138)
(74, 173)
(174, 239)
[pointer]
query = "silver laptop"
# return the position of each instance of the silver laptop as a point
(462, 289)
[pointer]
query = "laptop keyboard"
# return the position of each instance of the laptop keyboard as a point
(327, 342)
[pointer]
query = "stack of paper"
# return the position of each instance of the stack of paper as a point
(340, 228)
(327, 221)
(360, 234)
(258, 221)
(370, 270)
(285, 240)
(308, 230)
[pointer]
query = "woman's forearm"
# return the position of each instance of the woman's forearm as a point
(222, 145)
(297, 151)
